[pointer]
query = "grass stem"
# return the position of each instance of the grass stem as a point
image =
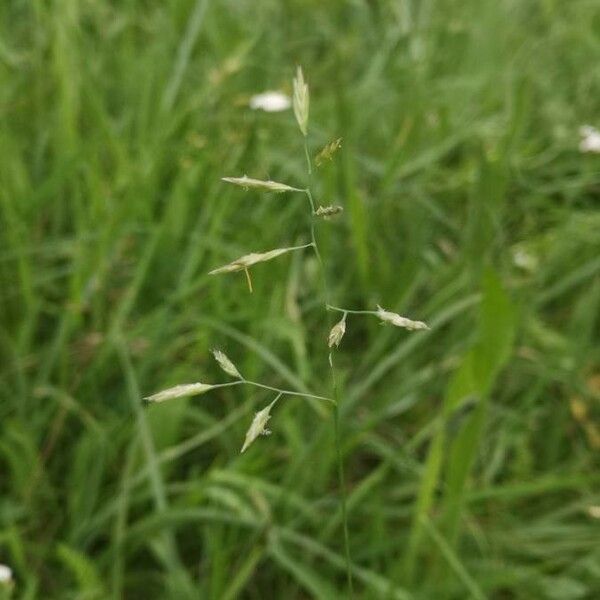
(334, 383)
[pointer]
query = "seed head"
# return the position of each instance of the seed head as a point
(226, 364)
(329, 211)
(398, 321)
(243, 262)
(301, 101)
(268, 186)
(258, 425)
(180, 391)
(337, 333)
(328, 151)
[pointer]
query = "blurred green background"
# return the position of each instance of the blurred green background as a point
(470, 450)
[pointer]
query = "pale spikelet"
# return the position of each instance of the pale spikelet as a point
(398, 321)
(243, 262)
(180, 391)
(328, 211)
(258, 425)
(337, 332)
(301, 101)
(226, 364)
(272, 101)
(6, 575)
(328, 151)
(268, 186)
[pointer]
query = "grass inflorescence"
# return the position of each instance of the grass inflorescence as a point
(463, 194)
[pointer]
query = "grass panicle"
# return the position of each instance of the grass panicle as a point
(458, 461)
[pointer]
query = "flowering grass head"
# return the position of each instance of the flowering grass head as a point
(180, 391)
(395, 319)
(259, 424)
(260, 184)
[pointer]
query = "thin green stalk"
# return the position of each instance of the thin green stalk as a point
(307, 155)
(341, 477)
(352, 312)
(335, 387)
(314, 244)
(243, 381)
(286, 392)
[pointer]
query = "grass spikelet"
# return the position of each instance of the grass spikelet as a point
(180, 391)
(301, 101)
(226, 364)
(244, 262)
(398, 321)
(337, 333)
(326, 154)
(329, 211)
(259, 184)
(258, 425)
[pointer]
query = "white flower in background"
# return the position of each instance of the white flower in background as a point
(270, 101)
(590, 139)
(524, 259)
(6, 575)
(594, 512)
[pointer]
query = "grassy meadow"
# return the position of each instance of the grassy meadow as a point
(470, 451)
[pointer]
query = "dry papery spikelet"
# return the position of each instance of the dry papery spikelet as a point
(259, 184)
(337, 333)
(301, 101)
(328, 151)
(243, 262)
(328, 211)
(258, 425)
(180, 391)
(226, 364)
(398, 321)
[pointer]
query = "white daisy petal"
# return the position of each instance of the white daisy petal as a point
(590, 139)
(6, 574)
(272, 101)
